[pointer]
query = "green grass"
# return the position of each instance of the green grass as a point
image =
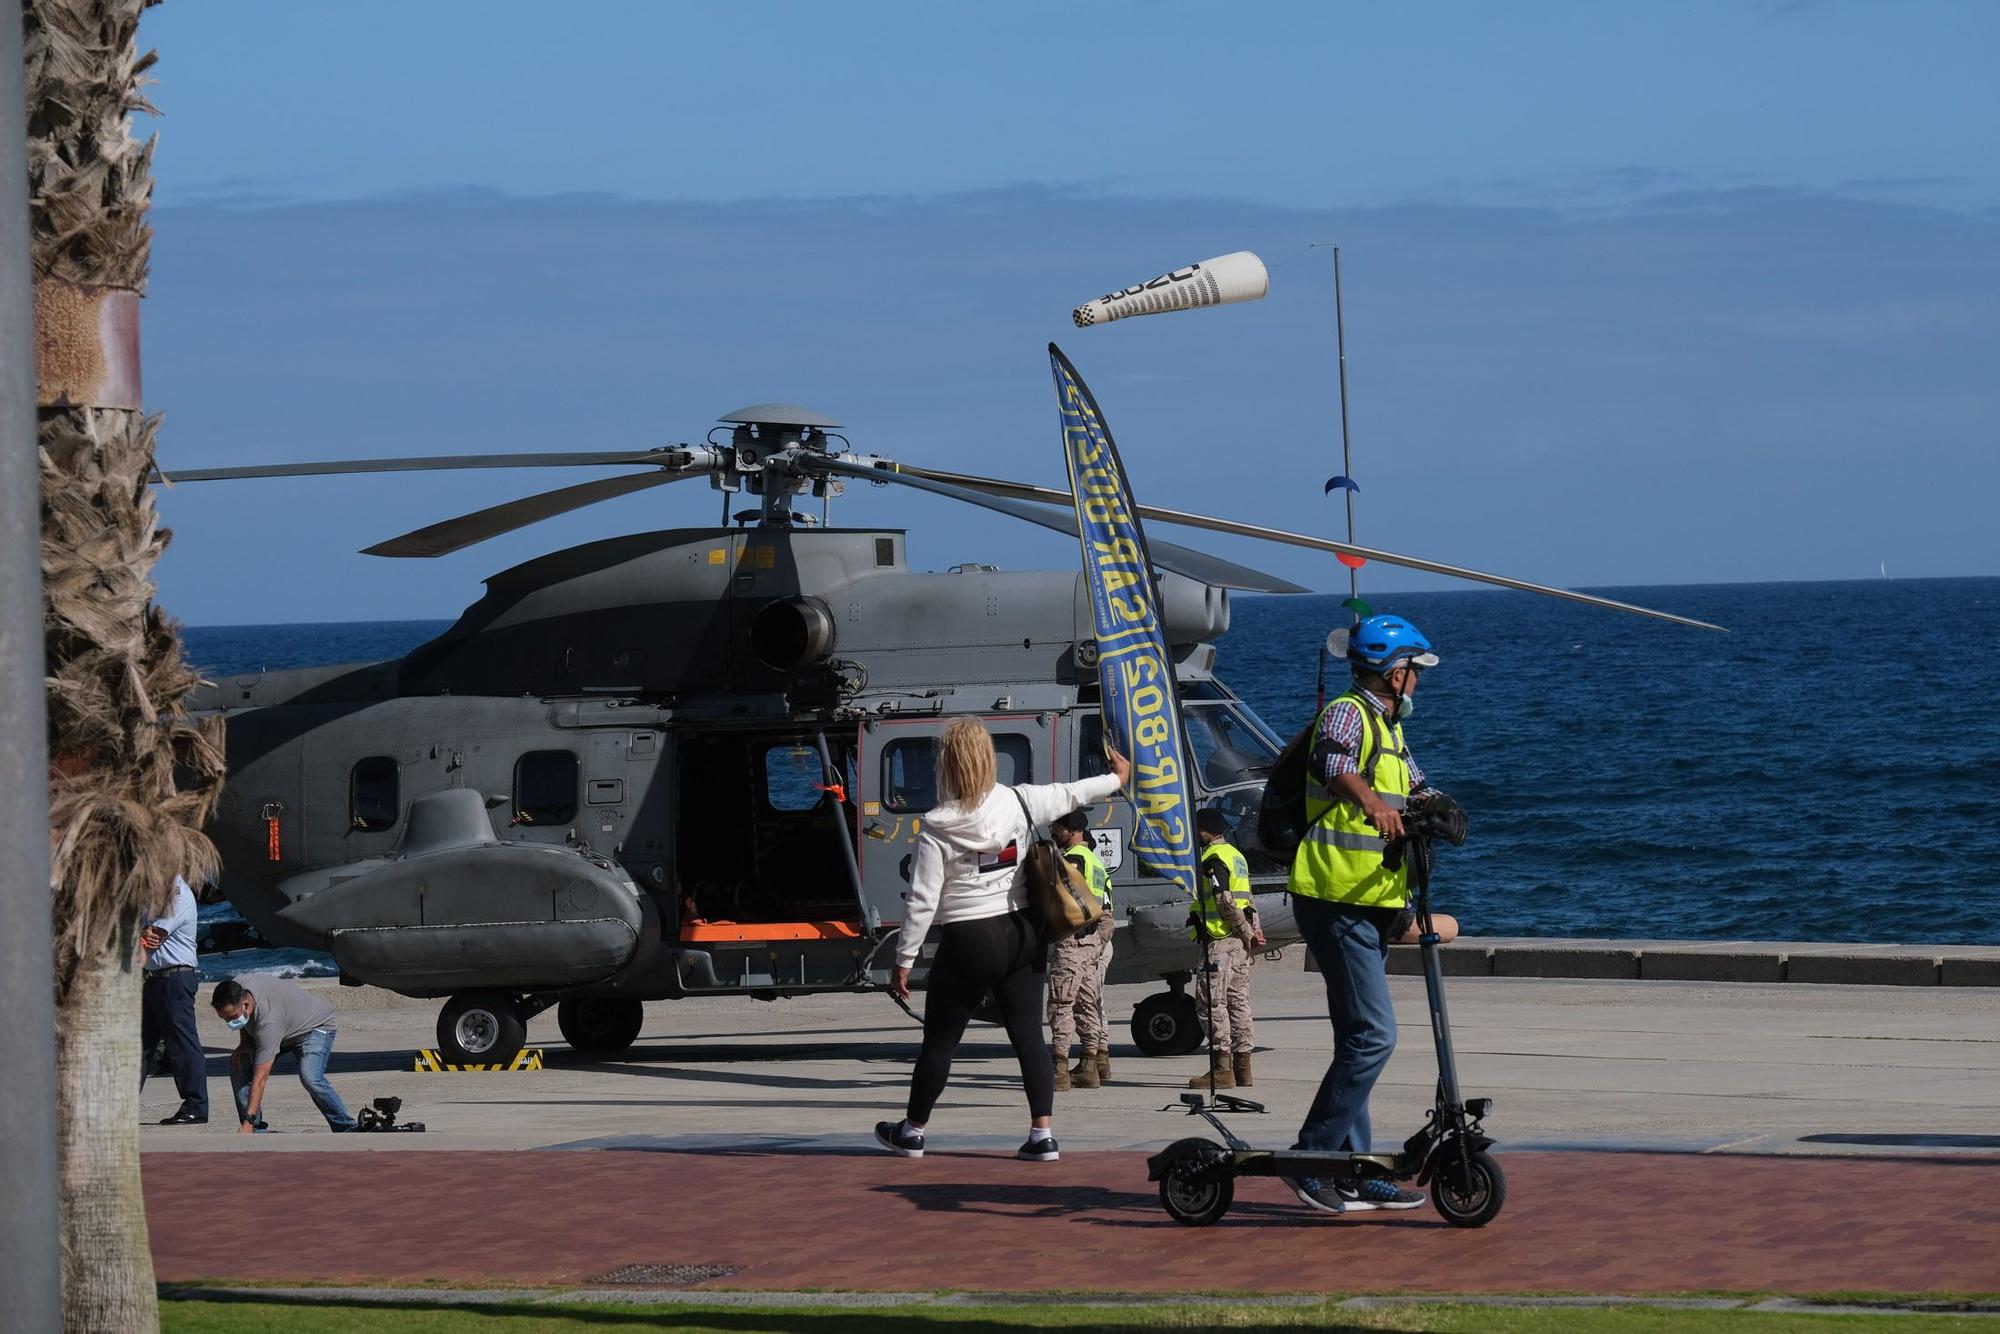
(267, 1316)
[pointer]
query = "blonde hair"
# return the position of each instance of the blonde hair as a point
(965, 764)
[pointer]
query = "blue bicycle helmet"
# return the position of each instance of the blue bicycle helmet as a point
(1382, 642)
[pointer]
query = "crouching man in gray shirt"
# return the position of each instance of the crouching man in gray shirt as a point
(278, 1016)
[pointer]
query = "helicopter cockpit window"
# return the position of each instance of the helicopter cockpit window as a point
(1240, 808)
(545, 787)
(909, 769)
(374, 795)
(1230, 745)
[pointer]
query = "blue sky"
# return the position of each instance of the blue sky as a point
(1636, 294)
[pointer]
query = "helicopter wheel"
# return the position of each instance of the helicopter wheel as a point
(600, 1025)
(481, 1028)
(1167, 1024)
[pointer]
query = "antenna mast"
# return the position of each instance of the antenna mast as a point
(1346, 448)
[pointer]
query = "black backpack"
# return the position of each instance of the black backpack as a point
(1281, 815)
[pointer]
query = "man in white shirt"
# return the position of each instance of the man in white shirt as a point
(167, 1008)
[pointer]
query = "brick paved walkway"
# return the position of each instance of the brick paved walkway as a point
(1607, 1223)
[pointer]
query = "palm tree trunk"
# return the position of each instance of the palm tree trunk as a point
(107, 1262)
(131, 778)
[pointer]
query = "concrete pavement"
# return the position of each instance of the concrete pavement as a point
(1786, 1068)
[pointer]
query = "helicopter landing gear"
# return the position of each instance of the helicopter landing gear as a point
(481, 1028)
(1167, 1024)
(599, 1025)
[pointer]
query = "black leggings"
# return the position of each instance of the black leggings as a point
(1008, 957)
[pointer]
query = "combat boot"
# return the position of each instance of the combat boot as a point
(1242, 1062)
(1062, 1072)
(1103, 1063)
(1085, 1074)
(1220, 1069)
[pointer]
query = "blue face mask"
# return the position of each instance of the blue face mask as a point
(238, 1022)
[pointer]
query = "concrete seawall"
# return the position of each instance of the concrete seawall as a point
(1712, 961)
(1836, 962)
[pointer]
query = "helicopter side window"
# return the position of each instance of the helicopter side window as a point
(909, 775)
(374, 795)
(1013, 758)
(792, 778)
(909, 769)
(545, 787)
(1090, 761)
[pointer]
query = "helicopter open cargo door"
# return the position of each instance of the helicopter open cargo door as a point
(898, 784)
(765, 891)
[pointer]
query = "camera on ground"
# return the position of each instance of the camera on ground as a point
(380, 1117)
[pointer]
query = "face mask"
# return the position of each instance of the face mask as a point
(1405, 706)
(238, 1022)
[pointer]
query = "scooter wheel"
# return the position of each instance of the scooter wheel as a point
(1195, 1203)
(1468, 1198)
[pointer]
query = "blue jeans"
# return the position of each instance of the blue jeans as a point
(1347, 945)
(313, 1050)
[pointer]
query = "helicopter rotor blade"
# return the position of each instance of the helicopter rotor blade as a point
(1197, 565)
(1054, 496)
(666, 455)
(449, 535)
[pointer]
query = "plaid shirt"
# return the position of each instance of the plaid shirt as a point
(1337, 748)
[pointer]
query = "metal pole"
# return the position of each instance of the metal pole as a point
(30, 1254)
(1346, 450)
(836, 778)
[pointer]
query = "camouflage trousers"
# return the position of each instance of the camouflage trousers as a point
(1076, 993)
(1229, 1003)
(1103, 967)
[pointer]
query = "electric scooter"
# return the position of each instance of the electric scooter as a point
(1448, 1152)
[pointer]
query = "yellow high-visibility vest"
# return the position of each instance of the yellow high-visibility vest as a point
(1206, 907)
(1084, 854)
(1340, 858)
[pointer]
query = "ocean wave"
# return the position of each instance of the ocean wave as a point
(267, 963)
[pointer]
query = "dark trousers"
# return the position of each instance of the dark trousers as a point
(1008, 957)
(166, 1010)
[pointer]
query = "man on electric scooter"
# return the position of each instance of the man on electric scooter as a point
(1349, 907)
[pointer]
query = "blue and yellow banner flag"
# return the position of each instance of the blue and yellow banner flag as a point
(1135, 674)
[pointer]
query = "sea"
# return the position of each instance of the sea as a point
(1828, 770)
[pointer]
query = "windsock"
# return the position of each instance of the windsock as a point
(1238, 276)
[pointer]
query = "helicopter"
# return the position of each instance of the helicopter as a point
(695, 761)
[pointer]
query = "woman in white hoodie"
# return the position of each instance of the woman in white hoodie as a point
(967, 887)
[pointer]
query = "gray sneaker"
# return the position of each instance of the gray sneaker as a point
(1315, 1194)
